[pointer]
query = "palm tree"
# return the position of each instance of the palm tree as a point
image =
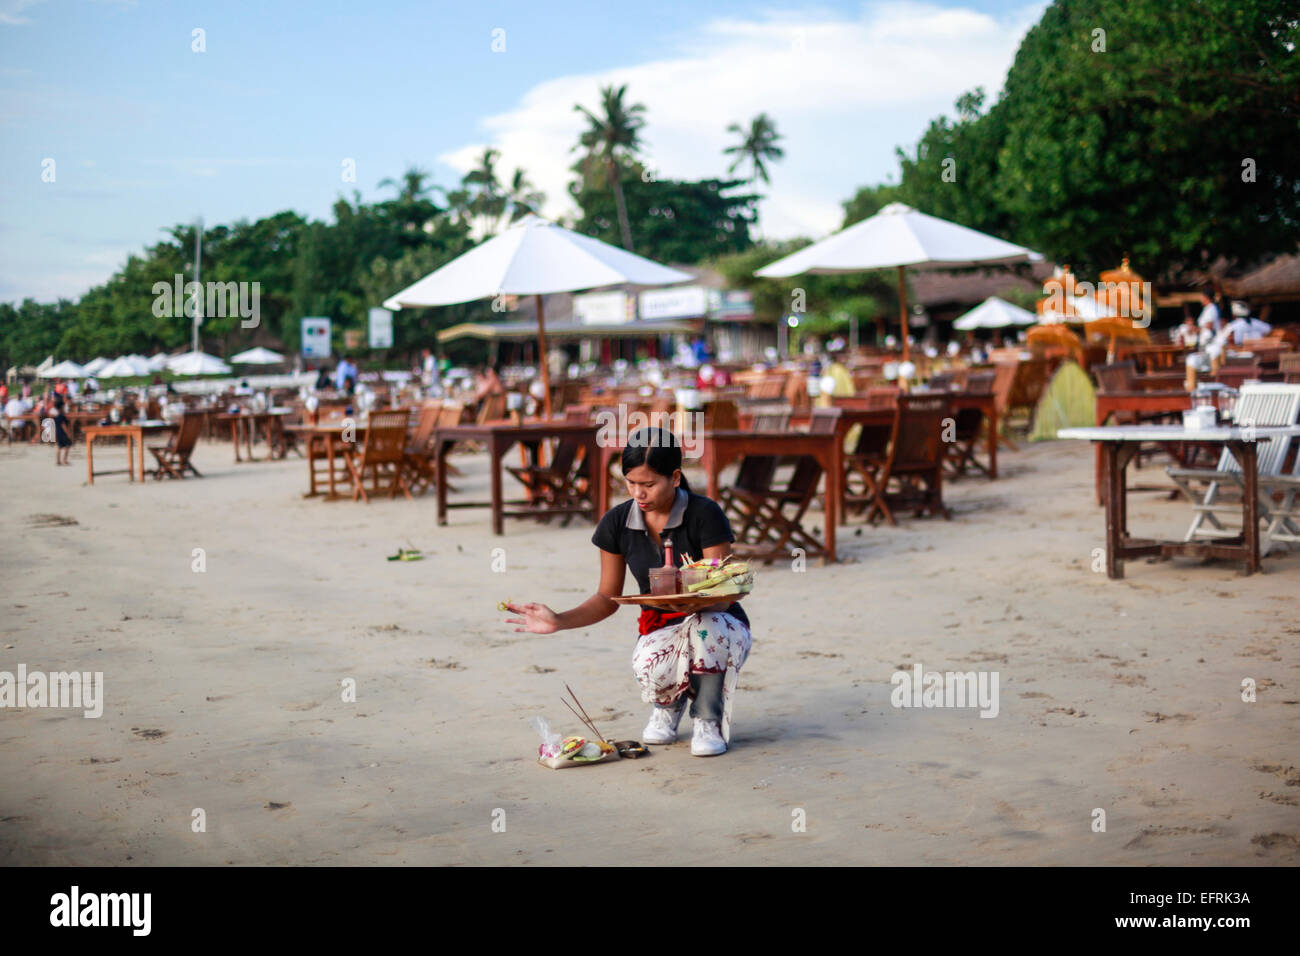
(523, 197)
(489, 201)
(609, 140)
(412, 196)
(758, 145)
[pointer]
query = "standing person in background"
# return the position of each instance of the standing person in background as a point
(62, 436)
(428, 368)
(345, 376)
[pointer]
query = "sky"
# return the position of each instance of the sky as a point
(119, 120)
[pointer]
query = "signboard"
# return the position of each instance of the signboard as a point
(381, 329)
(316, 337)
(731, 306)
(690, 302)
(602, 308)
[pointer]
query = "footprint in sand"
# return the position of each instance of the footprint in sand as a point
(447, 665)
(1156, 717)
(149, 733)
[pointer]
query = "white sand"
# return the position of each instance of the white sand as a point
(1120, 695)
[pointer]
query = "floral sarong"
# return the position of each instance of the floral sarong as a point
(711, 642)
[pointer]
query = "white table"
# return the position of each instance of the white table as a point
(1119, 443)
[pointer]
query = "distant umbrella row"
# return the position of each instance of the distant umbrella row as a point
(131, 366)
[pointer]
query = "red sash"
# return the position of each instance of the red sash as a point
(652, 619)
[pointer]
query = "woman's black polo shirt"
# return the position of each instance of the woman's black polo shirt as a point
(695, 523)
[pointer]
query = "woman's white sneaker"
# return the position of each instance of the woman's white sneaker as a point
(662, 728)
(708, 741)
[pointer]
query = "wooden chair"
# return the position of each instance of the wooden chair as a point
(284, 440)
(722, 415)
(915, 460)
(556, 485)
(420, 459)
(1260, 406)
(772, 517)
(1004, 377)
(968, 426)
(173, 459)
(384, 454)
(1288, 363)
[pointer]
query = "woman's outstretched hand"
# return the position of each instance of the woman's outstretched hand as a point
(537, 618)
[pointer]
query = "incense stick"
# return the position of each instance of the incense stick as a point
(579, 716)
(590, 723)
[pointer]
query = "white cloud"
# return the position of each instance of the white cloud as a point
(11, 11)
(843, 92)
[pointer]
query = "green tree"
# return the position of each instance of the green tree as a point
(1164, 130)
(677, 221)
(610, 140)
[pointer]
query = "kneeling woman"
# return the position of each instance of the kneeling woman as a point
(678, 656)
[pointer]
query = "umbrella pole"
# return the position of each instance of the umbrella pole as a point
(542, 359)
(902, 313)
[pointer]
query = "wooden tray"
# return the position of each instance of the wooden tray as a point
(677, 602)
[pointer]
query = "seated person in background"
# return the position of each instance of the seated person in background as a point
(1188, 333)
(488, 383)
(1242, 327)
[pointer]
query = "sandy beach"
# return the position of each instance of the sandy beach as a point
(223, 686)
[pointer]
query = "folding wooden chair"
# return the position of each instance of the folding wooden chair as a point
(284, 440)
(968, 424)
(1004, 377)
(773, 516)
(1284, 524)
(1259, 406)
(419, 457)
(174, 458)
(915, 460)
(555, 485)
(384, 454)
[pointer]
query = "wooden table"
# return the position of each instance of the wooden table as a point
(134, 435)
(1119, 443)
(1108, 403)
(499, 437)
(245, 423)
(721, 448)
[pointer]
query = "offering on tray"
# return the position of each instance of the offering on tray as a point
(718, 577)
(558, 753)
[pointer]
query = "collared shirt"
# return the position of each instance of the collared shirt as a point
(694, 523)
(1240, 329)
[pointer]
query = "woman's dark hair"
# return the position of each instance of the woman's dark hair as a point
(656, 448)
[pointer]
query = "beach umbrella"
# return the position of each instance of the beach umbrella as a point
(158, 361)
(46, 365)
(257, 356)
(94, 366)
(65, 369)
(533, 257)
(898, 237)
(124, 367)
(994, 313)
(198, 363)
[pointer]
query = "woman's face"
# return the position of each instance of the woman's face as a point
(651, 490)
